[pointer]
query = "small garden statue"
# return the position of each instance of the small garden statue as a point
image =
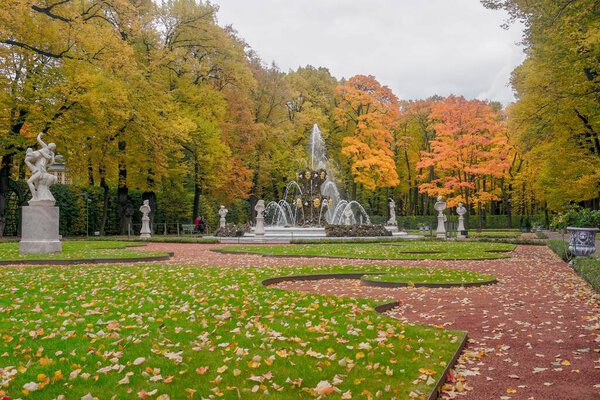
(440, 206)
(392, 221)
(461, 211)
(145, 210)
(223, 213)
(348, 216)
(260, 218)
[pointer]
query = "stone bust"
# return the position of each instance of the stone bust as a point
(461, 210)
(145, 208)
(260, 208)
(440, 206)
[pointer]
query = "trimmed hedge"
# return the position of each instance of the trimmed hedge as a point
(356, 231)
(589, 269)
(561, 248)
(490, 222)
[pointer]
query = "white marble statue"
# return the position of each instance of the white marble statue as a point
(461, 211)
(260, 218)
(38, 161)
(40, 219)
(392, 221)
(145, 210)
(348, 216)
(223, 213)
(440, 206)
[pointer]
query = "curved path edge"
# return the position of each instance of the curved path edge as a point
(380, 309)
(387, 284)
(225, 251)
(88, 260)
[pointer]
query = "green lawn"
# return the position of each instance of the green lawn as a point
(75, 250)
(432, 276)
(397, 251)
(495, 234)
(177, 330)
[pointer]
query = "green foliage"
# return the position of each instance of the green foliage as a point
(578, 217)
(561, 248)
(589, 269)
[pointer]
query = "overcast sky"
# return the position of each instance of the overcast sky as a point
(417, 47)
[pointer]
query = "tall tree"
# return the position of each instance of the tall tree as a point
(468, 153)
(367, 111)
(558, 97)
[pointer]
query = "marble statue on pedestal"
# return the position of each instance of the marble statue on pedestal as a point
(38, 161)
(440, 206)
(40, 220)
(461, 231)
(260, 218)
(145, 210)
(392, 221)
(222, 213)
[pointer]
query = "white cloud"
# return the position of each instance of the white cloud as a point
(418, 48)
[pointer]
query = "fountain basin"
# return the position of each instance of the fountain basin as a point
(280, 234)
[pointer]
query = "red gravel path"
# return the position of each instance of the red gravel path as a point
(534, 335)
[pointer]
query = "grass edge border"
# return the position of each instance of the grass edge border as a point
(112, 260)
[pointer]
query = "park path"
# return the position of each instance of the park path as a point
(534, 335)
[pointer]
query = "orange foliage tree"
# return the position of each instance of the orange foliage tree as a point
(468, 154)
(367, 111)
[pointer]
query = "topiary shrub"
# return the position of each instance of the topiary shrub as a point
(356, 230)
(233, 230)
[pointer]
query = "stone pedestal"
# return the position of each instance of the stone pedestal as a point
(441, 227)
(260, 226)
(39, 231)
(145, 231)
(461, 231)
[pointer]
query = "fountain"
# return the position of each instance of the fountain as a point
(311, 200)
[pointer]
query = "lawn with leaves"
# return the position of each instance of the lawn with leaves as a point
(438, 250)
(432, 276)
(183, 332)
(80, 250)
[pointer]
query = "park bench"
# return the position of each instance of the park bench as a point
(188, 228)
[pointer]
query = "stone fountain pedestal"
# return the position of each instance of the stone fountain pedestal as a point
(39, 229)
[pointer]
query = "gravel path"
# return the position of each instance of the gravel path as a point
(534, 335)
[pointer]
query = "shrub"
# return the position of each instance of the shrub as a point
(577, 217)
(356, 230)
(233, 230)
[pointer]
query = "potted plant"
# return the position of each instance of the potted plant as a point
(582, 225)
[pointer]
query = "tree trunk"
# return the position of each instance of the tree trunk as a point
(105, 199)
(123, 192)
(197, 190)
(7, 161)
(4, 190)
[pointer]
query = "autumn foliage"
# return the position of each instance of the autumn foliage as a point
(468, 152)
(368, 111)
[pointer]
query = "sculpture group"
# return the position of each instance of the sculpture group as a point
(40, 220)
